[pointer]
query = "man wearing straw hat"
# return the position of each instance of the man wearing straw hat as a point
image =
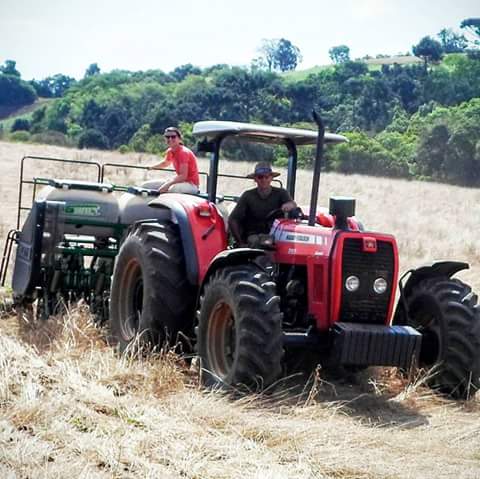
(251, 214)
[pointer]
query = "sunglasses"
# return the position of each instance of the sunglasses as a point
(169, 137)
(262, 177)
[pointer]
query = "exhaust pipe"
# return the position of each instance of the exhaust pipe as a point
(316, 168)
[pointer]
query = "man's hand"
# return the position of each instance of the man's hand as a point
(288, 206)
(158, 166)
(164, 188)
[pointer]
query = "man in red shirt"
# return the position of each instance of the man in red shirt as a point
(184, 161)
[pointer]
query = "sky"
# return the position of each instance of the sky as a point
(46, 37)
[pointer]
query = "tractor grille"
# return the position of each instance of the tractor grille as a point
(364, 305)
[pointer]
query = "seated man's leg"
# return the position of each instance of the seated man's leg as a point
(153, 184)
(183, 188)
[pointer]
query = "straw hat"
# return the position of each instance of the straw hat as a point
(263, 168)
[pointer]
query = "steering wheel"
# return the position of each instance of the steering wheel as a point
(276, 213)
(295, 213)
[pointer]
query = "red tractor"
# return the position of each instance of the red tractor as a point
(322, 283)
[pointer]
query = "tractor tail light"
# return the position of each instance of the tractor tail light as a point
(369, 245)
(204, 210)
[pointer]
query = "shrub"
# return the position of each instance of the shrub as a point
(20, 124)
(51, 137)
(139, 140)
(124, 149)
(368, 156)
(93, 139)
(19, 136)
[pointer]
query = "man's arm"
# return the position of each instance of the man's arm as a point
(236, 230)
(236, 218)
(158, 166)
(287, 203)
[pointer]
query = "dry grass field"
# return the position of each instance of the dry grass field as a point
(70, 407)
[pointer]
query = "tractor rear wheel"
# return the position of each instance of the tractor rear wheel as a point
(151, 300)
(239, 332)
(445, 311)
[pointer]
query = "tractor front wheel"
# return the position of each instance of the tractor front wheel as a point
(239, 332)
(445, 311)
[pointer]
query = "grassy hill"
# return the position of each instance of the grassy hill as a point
(8, 115)
(70, 406)
(373, 64)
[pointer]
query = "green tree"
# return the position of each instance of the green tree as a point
(429, 50)
(9, 68)
(339, 54)
(56, 116)
(181, 72)
(374, 106)
(53, 86)
(400, 121)
(461, 163)
(15, 92)
(278, 54)
(472, 25)
(349, 70)
(287, 55)
(92, 70)
(20, 124)
(464, 75)
(365, 155)
(268, 50)
(93, 139)
(452, 42)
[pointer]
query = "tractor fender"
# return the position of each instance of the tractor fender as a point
(231, 257)
(202, 239)
(431, 270)
(180, 217)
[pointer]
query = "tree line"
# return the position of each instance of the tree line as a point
(402, 120)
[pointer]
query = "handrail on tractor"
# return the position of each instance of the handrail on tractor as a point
(100, 176)
(201, 173)
(140, 167)
(45, 158)
(7, 251)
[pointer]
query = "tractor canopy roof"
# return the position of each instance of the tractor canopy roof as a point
(262, 133)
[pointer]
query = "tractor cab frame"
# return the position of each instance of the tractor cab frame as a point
(215, 132)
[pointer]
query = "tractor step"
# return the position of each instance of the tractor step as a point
(375, 345)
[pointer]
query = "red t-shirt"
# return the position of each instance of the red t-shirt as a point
(183, 155)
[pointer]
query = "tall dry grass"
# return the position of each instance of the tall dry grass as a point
(69, 406)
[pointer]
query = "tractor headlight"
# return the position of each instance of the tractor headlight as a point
(352, 283)
(380, 286)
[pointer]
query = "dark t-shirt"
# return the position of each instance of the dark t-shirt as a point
(251, 210)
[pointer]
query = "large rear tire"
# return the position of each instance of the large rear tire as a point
(239, 332)
(151, 300)
(445, 311)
